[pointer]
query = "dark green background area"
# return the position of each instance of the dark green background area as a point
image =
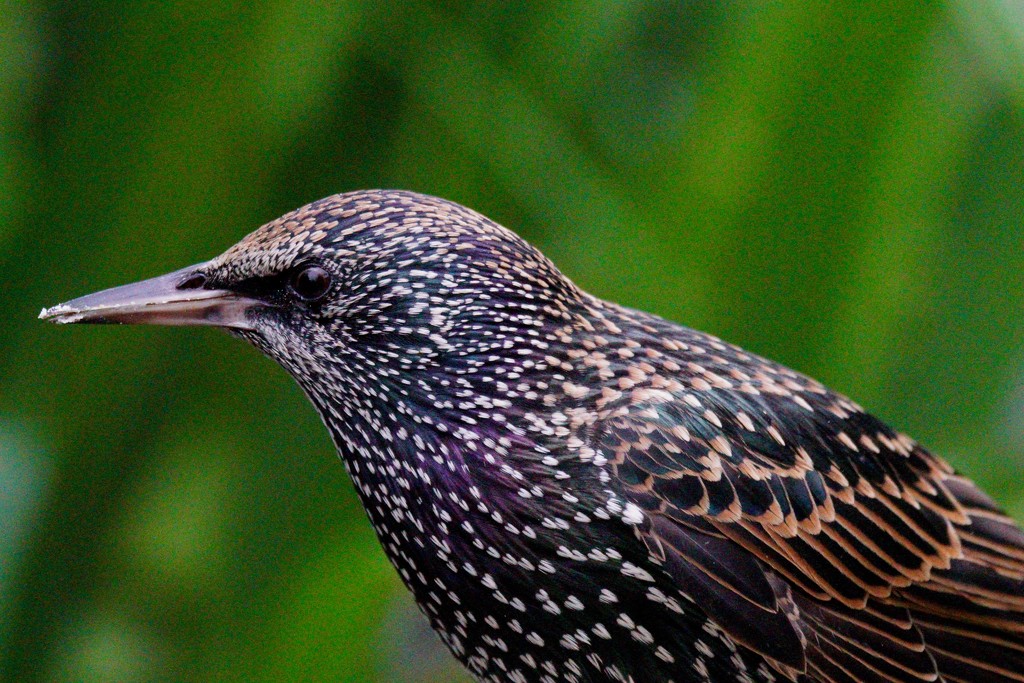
(834, 185)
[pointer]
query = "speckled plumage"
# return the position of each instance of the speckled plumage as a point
(576, 491)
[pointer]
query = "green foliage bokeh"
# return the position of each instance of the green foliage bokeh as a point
(834, 185)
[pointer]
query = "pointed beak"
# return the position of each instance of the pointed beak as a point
(177, 298)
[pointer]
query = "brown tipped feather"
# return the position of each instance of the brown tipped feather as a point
(900, 570)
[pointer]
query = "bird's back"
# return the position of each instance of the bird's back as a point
(806, 529)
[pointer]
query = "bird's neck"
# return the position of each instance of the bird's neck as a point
(483, 450)
(450, 456)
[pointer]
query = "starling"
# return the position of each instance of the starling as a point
(576, 491)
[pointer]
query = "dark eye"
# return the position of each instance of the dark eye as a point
(310, 282)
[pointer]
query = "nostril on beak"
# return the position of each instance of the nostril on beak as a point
(193, 281)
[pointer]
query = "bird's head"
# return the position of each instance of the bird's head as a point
(361, 289)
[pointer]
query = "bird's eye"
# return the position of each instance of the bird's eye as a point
(310, 282)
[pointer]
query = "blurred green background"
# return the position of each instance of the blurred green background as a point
(835, 185)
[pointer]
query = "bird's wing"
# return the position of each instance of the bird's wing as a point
(742, 465)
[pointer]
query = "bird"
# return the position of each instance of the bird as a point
(578, 491)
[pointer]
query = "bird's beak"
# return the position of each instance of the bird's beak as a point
(177, 298)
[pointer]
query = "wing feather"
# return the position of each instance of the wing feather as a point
(752, 476)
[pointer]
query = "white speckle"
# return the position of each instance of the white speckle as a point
(632, 514)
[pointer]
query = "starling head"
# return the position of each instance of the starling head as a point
(367, 289)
